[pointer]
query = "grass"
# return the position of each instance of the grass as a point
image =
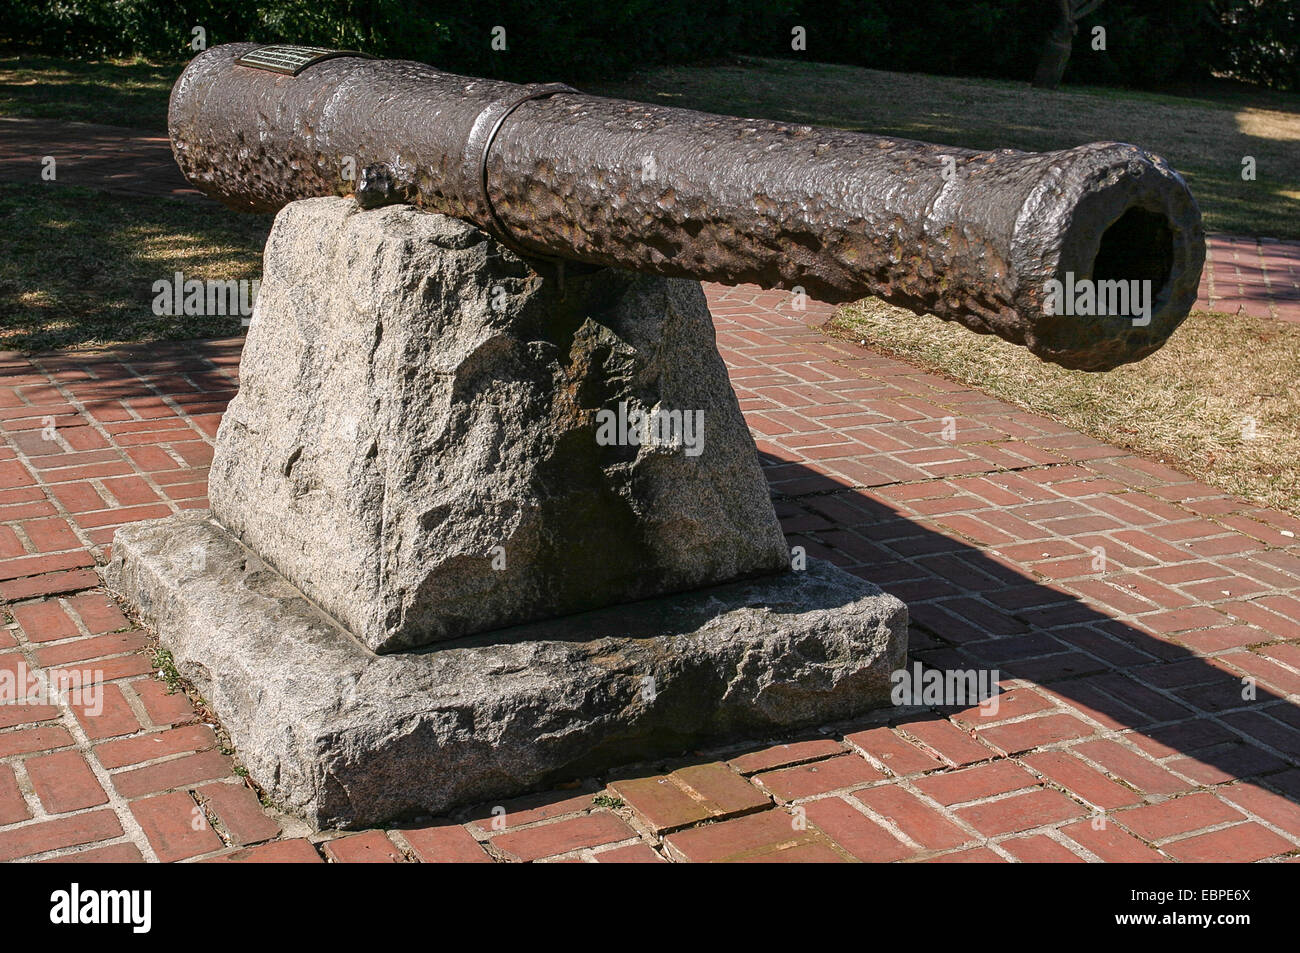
(1205, 136)
(80, 265)
(1218, 401)
(114, 92)
(165, 669)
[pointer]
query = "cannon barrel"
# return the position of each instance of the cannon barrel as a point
(988, 239)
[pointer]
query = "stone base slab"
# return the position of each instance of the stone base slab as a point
(345, 737)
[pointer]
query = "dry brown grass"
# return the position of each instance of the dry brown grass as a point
(1194, 404)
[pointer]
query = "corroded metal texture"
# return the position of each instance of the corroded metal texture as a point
(975, 237)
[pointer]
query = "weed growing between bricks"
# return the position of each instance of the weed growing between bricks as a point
(166, 673)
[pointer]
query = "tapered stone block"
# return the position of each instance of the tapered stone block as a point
(433, 439)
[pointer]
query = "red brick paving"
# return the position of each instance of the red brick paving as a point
(1149, 697)
(132, 161)
(690, 795)
(1260, 277)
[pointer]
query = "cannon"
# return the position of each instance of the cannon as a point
(988, 239)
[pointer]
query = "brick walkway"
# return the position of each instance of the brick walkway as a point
(1146, 628)
(1260, 277)
(131, 161)
(1255, 276)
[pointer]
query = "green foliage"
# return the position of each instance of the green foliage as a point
(1261, 41)
(1149, 43)
(165, 669)
(544, 39)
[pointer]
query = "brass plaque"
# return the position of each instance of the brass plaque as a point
(290, 59)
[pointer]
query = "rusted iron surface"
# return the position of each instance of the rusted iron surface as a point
(974, 237)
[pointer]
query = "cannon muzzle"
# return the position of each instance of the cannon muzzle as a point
(1089, 257)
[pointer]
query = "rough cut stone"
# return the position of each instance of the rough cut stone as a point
(414, 443)
(347, 738)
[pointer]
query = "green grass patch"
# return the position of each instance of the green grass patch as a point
(80, 265)
(114, 92)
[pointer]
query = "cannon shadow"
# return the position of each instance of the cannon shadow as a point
(970, 610)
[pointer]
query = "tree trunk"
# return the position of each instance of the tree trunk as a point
(1051, 66)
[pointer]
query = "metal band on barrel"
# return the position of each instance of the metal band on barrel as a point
(506, 107)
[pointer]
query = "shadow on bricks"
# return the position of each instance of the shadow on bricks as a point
(1091, 675)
